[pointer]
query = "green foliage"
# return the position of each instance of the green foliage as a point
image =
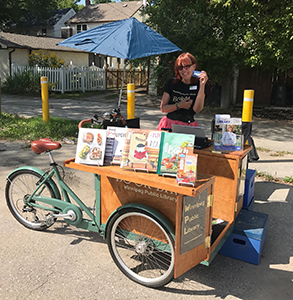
(68, 4)
(20, 13)
(270, 42)
(16, 128)
(22, 83)
(101, 1)
(288, 179)
(46, 59)
(224, 34)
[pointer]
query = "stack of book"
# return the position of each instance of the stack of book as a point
(164, 153)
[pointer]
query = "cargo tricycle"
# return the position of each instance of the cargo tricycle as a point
(155, 229)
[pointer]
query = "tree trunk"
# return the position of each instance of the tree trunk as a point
(227, 91)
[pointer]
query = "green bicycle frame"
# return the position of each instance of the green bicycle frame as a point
(94, 221)
(59, 206)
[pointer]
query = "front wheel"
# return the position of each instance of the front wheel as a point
(141, 247)
(20, 185)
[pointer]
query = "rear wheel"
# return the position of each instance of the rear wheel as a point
(141, 247)
(19, 187)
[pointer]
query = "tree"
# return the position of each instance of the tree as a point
(227, 34)
(101, 1)
(68, 4)
(17, 13)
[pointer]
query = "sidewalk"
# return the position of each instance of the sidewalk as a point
(267, 135)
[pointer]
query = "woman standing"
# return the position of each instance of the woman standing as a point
(183, 96)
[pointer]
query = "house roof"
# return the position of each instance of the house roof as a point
(58, 16)
(12, 40)
(106, 12)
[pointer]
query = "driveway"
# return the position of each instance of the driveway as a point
(68, 263)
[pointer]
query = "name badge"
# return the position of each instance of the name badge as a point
(193, 87)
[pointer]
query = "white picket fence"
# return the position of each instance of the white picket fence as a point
(68, 79)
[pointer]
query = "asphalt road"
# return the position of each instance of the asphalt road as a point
(68, 263)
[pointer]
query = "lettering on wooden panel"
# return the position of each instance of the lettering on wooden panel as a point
(145, 190)
(193, 221)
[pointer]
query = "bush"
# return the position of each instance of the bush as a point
(45, 59)
(22, 83)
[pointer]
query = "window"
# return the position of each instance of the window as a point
(80, 28)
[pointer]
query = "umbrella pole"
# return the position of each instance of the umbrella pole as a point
(121, 89)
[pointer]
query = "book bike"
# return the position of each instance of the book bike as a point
(139, 238)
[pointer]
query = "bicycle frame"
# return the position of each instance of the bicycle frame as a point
(65, 206)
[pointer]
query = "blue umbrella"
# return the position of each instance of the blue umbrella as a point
(127, 39)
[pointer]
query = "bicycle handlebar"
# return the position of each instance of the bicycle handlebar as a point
(84, 122)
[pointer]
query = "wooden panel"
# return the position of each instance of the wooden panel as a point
(117, 192)
(120, 186)
(225, 171)
(186, 261)
(225, 168)
(149, 179)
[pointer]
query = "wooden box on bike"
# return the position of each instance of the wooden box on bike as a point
(188, 209)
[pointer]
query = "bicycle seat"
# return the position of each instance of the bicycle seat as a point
(43, 145)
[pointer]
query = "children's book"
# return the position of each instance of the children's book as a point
(228, 134)
(91, 146)
(186, 172)
(173, 147)
(141, 150)
(109, 151)
(114, 145)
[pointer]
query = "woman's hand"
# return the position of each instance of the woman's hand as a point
(199, 101)
(186, 103)
(203, 78)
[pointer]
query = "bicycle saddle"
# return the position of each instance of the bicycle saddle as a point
(43, 145)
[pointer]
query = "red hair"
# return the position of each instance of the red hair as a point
(184, 59)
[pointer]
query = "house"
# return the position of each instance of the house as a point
(93, 15)
(16, 48)
(52, 27)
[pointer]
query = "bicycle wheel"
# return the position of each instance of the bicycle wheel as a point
(141, 247)
(19, 187)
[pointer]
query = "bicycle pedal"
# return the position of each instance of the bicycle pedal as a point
(49, 221)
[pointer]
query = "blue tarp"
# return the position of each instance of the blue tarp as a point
(126, 39)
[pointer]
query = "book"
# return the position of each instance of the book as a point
(187, 170)
(173, 147)
(228, 134)
(141, 150)
(91, 146)
(109, 150)
(114, 145)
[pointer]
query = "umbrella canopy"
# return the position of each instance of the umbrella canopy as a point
(126, 39)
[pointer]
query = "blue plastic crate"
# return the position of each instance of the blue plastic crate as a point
(247, 240)
(249, 187)
(250, 206)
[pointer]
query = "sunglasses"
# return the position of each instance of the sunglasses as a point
(180, 67)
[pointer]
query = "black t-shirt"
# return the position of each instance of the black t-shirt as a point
(179, 92)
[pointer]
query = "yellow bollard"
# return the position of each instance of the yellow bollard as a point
(247, 105)
(130, 101)
(247, 124)
(45, 98)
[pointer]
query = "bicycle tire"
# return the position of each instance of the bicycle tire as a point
(141, 247)
(19, 187)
